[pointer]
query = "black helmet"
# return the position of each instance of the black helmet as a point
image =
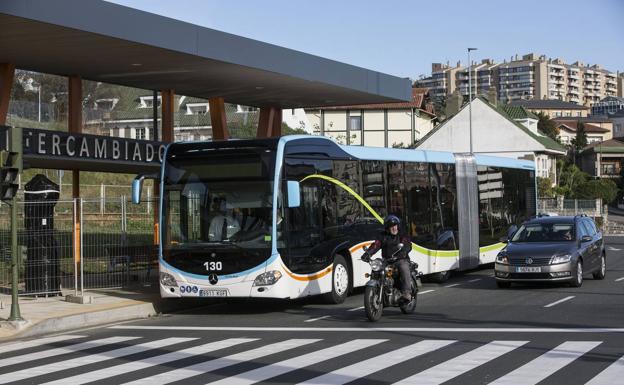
(391, 220)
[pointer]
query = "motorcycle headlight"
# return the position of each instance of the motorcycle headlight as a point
(168, 280)
(376, 264)
(560, 259)
(502, 259)
(268, 278)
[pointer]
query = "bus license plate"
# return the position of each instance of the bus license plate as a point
(213, 293)
(528, 269)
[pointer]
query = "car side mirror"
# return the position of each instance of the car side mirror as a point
(586, 238)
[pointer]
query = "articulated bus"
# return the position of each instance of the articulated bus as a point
(288, 217)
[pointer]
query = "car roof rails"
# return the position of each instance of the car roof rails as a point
(580, 215)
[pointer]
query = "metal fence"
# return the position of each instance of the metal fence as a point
(558, 206)
(116, 249)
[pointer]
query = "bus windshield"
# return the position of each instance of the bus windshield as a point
(219, 197)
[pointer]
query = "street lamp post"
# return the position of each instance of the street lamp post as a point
(470, 96)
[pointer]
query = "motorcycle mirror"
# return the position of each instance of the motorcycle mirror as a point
(401, 245)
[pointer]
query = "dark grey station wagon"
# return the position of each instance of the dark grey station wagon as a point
(552, 249)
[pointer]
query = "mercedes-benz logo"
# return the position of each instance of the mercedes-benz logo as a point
(529, 261)
(213, 279)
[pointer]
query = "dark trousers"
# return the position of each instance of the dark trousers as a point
(406, 277)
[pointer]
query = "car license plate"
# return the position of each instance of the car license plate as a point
(528, 269)
(213, 293)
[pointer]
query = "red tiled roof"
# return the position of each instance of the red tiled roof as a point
(573, 124)
(418, 102)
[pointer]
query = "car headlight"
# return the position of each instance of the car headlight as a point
(502, 259)
(376, 264)
(268, 278)
(560, 259)
(167, 279)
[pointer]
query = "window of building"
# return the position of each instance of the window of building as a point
(148, 101)
(139, 133)
(355, 123)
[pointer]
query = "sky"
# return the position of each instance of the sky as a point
(403, 38)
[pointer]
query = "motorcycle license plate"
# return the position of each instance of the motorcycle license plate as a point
(213, 293)
(528, 269)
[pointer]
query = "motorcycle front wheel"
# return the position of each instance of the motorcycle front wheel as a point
(411, 306)
(372, 303)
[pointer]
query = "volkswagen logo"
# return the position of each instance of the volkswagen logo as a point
(213, 255)
(213, 279)
(529, 261)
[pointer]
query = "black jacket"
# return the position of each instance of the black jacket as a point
(389, 244)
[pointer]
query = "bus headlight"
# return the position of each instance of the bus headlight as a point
(268, 278)
(167, 279)
(376, 264)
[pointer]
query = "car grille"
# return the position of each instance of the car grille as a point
(529, 276)
(537, 261)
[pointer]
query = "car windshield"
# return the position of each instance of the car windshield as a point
(545, 232)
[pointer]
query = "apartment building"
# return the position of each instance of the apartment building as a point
(443, 78)
(531, 77)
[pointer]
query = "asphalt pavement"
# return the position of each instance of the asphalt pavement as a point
(464, 331)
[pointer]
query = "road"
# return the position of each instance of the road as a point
(465, 331)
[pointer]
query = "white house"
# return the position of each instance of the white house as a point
(509, 131)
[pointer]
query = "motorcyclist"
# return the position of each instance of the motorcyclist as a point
(388, 241)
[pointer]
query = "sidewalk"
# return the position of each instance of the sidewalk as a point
(55, 314)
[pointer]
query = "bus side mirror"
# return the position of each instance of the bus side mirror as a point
(293, 193)
(137, 186)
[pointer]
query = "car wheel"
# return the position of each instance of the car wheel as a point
(503, 284)
(602, 270)
(340, 281)
(577, 280)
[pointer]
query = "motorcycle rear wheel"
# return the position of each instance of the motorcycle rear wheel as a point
(372, 305)
(411, 306)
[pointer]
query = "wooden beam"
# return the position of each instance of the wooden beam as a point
(218, 119)
(7, 72)
(167, 105)
(270, 122)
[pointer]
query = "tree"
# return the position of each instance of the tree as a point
(547, 126)
(580, 141)
(544, 188)
(570, 179)
(604, 189)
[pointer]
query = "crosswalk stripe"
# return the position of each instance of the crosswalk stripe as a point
(611, 375)
(299, 362)
(220, 363)
(34, 343)
(547, 364)
(463, 363)
(64, 350)
(375, 364)
(151, 361)
(89, 359)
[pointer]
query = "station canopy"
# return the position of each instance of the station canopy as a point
(110, 43)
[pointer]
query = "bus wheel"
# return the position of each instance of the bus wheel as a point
(340, 281)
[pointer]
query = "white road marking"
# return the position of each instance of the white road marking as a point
(64, 350)
(318, 318)
(38, 342)
(611, 375)
(223, 362)
(371, 329)
(356, 308)
(151, 361)
(375, 364)
(425, 292)
(456, 366)
(453, 285)
(89, 359)
(547, 364)
(560, 301)
(299, 362)
(474, 280)
(611, 248)
(619, 279)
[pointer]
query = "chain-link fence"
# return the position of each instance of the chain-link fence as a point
(116, 249)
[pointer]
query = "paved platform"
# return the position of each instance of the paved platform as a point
(56, 314)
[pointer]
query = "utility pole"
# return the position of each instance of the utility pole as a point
(470, 96)
(11, 168)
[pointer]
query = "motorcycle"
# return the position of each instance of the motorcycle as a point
(383, 290)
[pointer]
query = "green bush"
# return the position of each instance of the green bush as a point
(605, 189)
